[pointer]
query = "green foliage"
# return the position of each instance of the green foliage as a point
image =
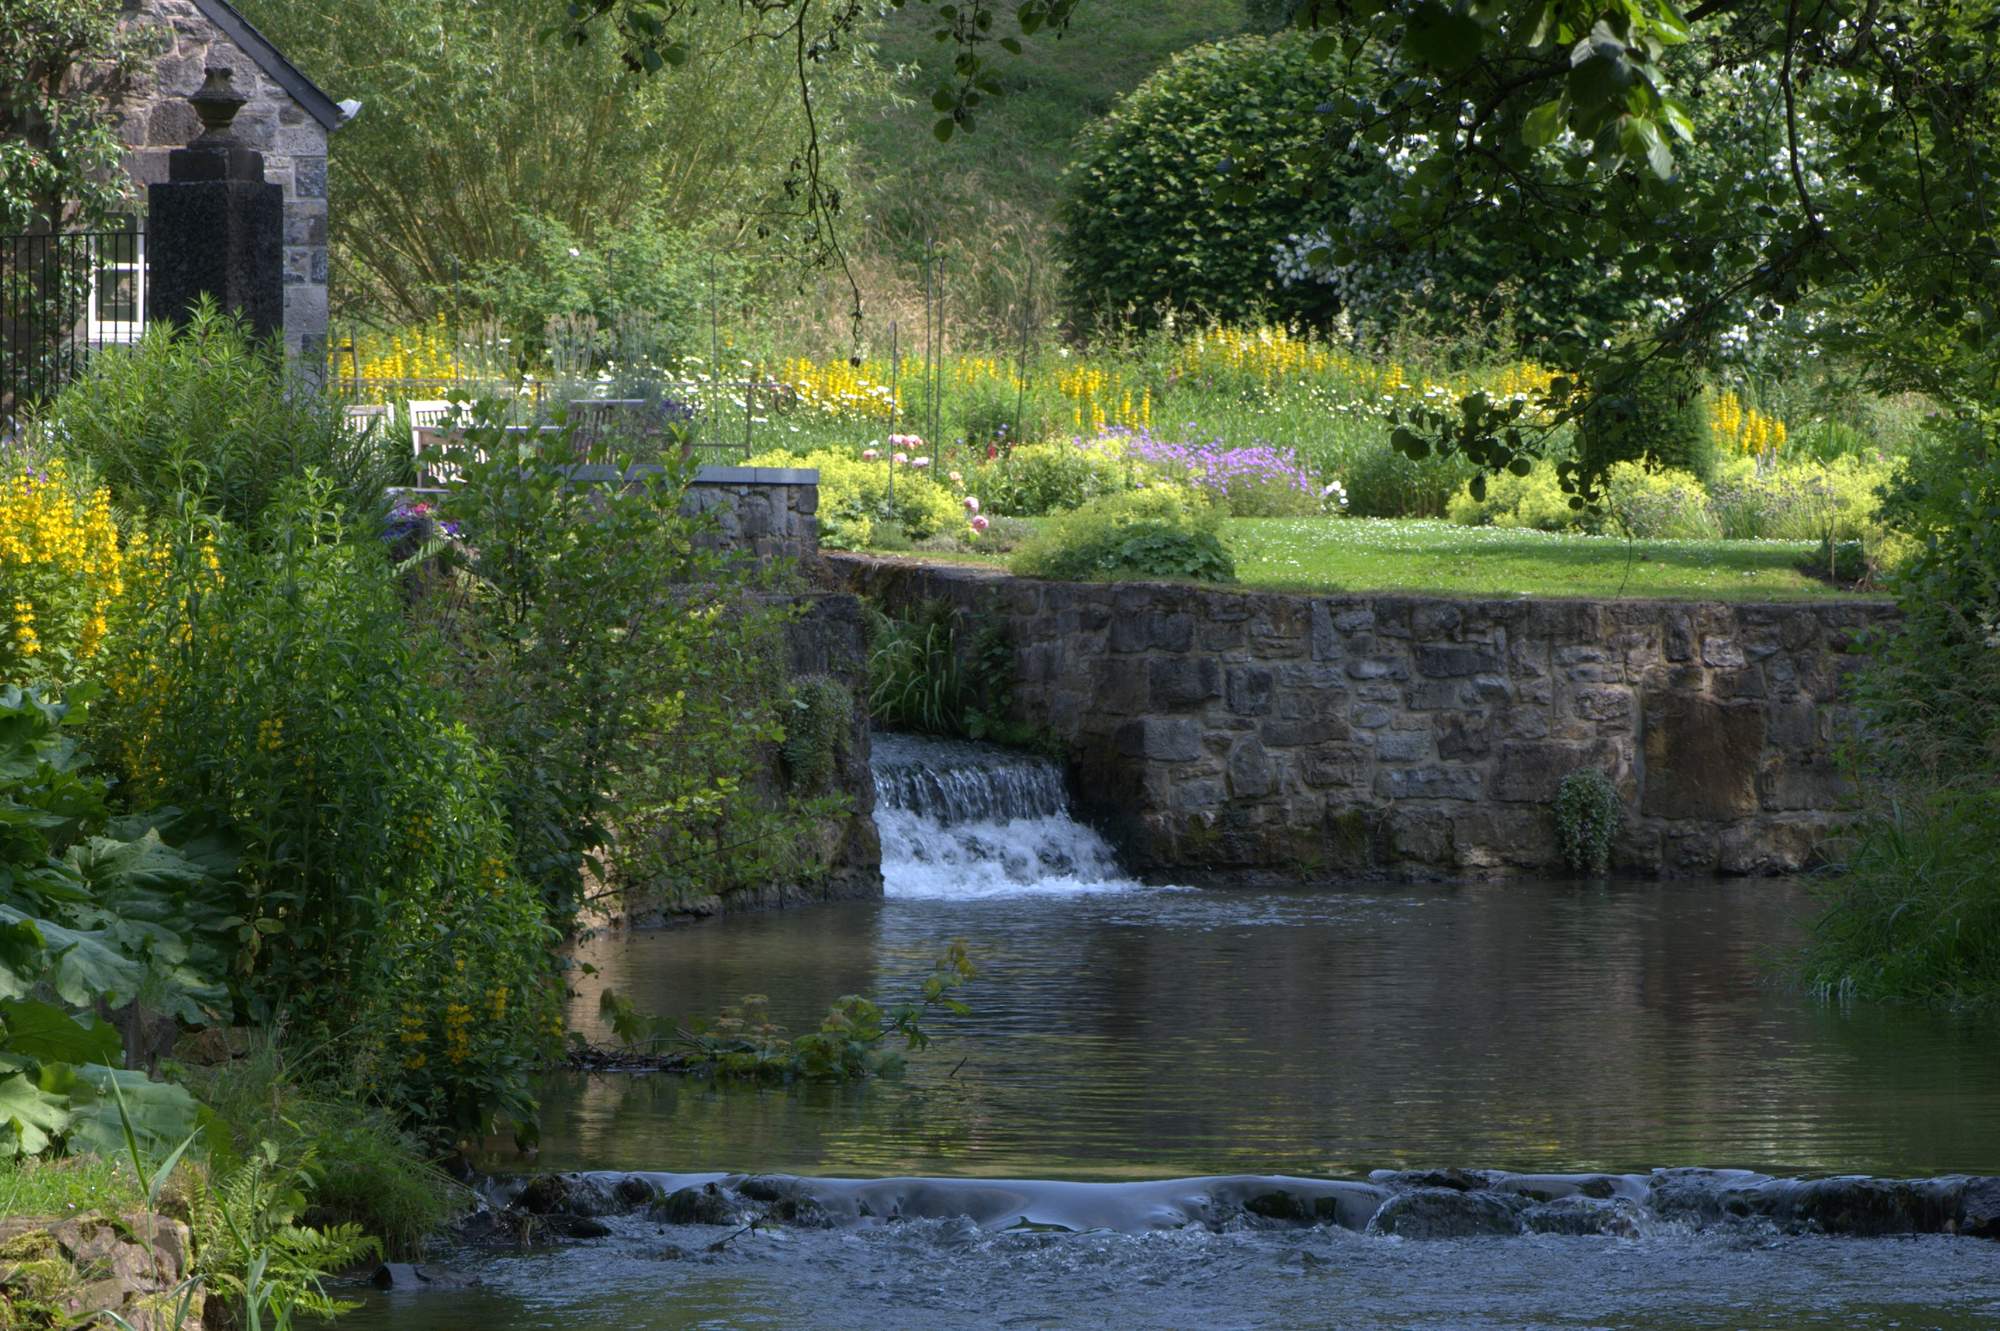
(1149, 225)
(359, 1165)
(1916, 913)
(93, 911)
(1588, 812)
(375, 900)
(1836, 500)
(61, 61)
(928, 674)
(856, 503)
(1652, 415)
(1536, 500)
(1037, 479)
(848, 1045)
(646, 280)
(522, 139)
(1932, 689)
(629, 677)
(1658, 505)
(208, 411)
(251, 1250)
(822, 714)
(1156, 533)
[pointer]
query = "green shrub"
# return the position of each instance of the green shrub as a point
(635, 293)
(209, 411)
(1146, 226)
(822, 712)
(1383, 483)
(1658, 505)
(855, 502)
(1037, 479)
(1931, 691)
(1155, 533)
(1916, 914)
(289, 698)
(366, 1169)
(1657, 417)
(1536, 500)
(1588, 812)
(928, 674)
(1838, 500)
(630, 681)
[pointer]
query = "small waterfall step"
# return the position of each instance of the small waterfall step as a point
(962, 820)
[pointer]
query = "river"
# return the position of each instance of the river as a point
(1123, 1032)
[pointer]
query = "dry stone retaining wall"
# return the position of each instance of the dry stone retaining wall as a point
(1313, 735)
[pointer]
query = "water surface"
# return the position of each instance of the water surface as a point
(1126, 1032)
(1149, 1033)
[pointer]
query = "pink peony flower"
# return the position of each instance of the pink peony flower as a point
(972, 503)
(957, 478)
(979, 523)
(870, 454)
(902, 457)
(920, 462)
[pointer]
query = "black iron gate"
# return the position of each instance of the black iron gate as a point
(63, 297)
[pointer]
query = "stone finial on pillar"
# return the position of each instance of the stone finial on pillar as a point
(215, 227)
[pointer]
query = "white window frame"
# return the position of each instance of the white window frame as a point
(119, 332)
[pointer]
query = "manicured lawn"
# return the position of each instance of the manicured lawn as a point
(1415, 555)
(1376, 554)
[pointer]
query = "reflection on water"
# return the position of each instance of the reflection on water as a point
(1150, 1034)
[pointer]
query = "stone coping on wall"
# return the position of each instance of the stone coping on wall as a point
(1340, 733)
(597, 473)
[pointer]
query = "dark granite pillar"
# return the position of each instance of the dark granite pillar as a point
(215, 227)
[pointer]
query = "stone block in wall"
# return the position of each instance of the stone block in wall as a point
(1779, 845)
(1504, 838)
(1530, 771)
(1291, 733)
(1702, 757)
(1163, 739)
(1336, 764)
(1451, 660)
(1462, 735)
(1150, 630)
(1249, 690)
(1428, 783)
(1798, 784)
(1174, 683)
(1117, 688)
(1251, 775)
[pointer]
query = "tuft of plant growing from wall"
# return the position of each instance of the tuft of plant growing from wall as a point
(822, 712)
(1588, 812)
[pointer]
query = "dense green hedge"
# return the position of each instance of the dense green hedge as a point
(1146, 223)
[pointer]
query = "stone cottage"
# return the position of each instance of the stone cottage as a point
(287, 118)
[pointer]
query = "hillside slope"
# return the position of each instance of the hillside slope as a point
(987, 198)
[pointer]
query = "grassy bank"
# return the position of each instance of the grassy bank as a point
(1367, 554)
(1442, 558)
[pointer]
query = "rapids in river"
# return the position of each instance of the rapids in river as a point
(1175, 1108)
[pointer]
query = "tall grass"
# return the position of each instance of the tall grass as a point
(1916, 915)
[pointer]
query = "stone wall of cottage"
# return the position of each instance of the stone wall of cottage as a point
(156, 119)
(1333, 735)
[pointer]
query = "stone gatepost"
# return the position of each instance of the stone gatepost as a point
(215, 226)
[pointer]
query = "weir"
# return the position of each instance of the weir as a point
(960, 820)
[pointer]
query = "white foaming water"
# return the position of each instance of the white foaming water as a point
(963, 821)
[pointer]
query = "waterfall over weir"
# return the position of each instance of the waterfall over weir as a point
(962, 820)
